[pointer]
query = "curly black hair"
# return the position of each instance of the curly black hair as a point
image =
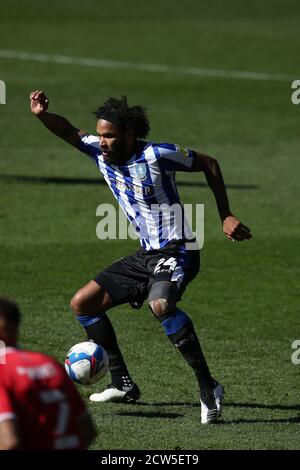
(118, 112)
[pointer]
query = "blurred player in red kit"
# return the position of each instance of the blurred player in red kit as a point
(40, 407)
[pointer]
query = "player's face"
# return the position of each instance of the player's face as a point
(114, 144)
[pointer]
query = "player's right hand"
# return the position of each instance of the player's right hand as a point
(235, 230)
(38, 102)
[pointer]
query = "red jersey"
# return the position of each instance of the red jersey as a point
(36, 390)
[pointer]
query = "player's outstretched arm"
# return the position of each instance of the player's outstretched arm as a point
(232, 226)
(57, 124)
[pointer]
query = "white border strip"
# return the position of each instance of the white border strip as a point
(139, 66)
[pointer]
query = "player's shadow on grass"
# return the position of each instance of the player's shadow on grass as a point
(273, 406)
(295, 420)
(147, 414)
(292, 407)
(96, 181)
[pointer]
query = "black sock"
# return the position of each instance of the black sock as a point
(103, 333)
(186, 341)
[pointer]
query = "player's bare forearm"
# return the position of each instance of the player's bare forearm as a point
(216, 183)
(232, 227)
(9, 435)
(58, 125)
(214, 178)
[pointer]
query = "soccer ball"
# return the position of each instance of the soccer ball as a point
(86, 363)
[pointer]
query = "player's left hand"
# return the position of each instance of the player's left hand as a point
(235, 230)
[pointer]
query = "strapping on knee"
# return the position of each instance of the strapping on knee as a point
(159, 307)
(162, 298)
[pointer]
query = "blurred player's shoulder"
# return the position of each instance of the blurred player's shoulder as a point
(30, 364)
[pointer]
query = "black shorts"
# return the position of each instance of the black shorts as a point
(129, 279)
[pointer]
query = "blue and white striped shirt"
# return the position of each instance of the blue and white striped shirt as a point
(146, 190)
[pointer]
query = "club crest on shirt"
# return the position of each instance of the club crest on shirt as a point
(141, 171)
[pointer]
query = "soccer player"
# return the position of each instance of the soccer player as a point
(40, 407)
(141, 176)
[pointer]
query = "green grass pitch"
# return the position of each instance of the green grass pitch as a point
(244, 302)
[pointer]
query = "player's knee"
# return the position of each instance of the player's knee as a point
(161, 307)
(77, 303)
(92, 299)
(81, 305)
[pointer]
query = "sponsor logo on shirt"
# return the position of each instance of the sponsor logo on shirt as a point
(146, 190)
(43, 371)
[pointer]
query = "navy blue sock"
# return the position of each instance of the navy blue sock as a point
(101, 331)
(180, 331)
